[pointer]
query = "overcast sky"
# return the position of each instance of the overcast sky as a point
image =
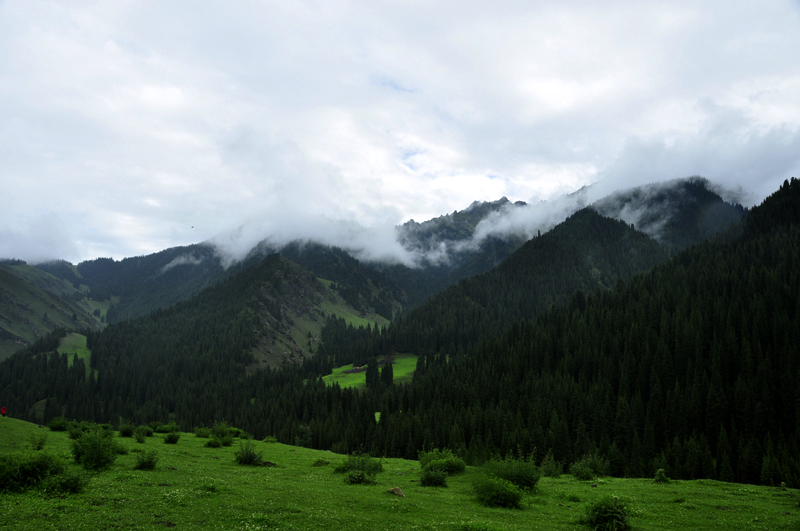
(127, 127)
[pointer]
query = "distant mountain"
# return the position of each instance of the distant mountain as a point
(33, 303)
(678, 214)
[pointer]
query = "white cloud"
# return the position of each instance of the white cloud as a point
(143, 125)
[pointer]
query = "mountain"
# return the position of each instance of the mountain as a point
(586, 252)
(33, 303)
(678, 213)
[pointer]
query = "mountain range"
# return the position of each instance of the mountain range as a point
(651, 328)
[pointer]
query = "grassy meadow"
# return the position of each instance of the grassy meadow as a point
(194, 487)
(403, 370)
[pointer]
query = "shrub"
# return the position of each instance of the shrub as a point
(247, 455)
(203, 433)
(212, 443)
(359, 477)
(360, 469)
(37, 441)
(167, 428)
(226, 441)
(433, 477)
(146, 460)
(608, 513)
(270, 439)
(94, 450)
(661, 476)
(221, 430)
(67, 482)
(140, 434)
(236, 432)
(320, 462)
(550, 467)
(19, 471)
(521, 472)
(126, 430)
(443, 460)
(496, 492)
(172, 437)
(589, 467)
(58, 424)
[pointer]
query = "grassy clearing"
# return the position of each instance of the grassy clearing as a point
(350, 316)
(403, 367)
(203, 488)
(74, 344)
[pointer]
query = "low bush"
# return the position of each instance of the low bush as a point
(226, 441)
(126, 430)
(360, 469)
(212, 443)
(496, 492)
(320, 462)
(172, 437)
(270, 439)
(550, 467)
(433, 477)
(68, 482)
(661, 476)
(146, 460)
(359, 477)
(167, 428)
(522, 472)
(247, 455)
(95, 450)
(589, 467)
(608, 513)
(37, 441)
(443, 460)
(140, 434)
(58, 424)
(203, 433)
(19, 471)
(221, 430)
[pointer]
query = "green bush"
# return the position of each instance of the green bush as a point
(661, 476)
(360, 469)
(167, 428)
(58, 424)
(126, 430)
(247, 455)
(522, 472)
(550, 467)
(68, 482)
(590, 467)
(226, 441)
(37, 441)
(496, 492)
(359, 477)
(433, 477)
(320, 462)
(172, 437)
(221, 430)
(19, 471)
(270, 439)
(140, 434)
(443, 460)
(95, 450)
(608, 513)
(212, 443)
(146, 460)
(203, 433)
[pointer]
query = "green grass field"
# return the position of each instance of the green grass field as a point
(404, 366)
(73, 344)
(203, 488)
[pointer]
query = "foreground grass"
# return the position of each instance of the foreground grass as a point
(202, 488)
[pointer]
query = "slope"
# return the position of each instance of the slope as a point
(29, 309)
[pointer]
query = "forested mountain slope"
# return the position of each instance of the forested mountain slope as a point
(586, 252)
(692, 367)
(33, 303)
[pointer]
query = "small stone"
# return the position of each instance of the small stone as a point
(397, 491)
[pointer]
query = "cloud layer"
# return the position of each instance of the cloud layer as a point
(129, 127)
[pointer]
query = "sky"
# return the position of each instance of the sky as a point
(128, 127)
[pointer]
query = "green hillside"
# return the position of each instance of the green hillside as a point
(194, 487)
(31, 305)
